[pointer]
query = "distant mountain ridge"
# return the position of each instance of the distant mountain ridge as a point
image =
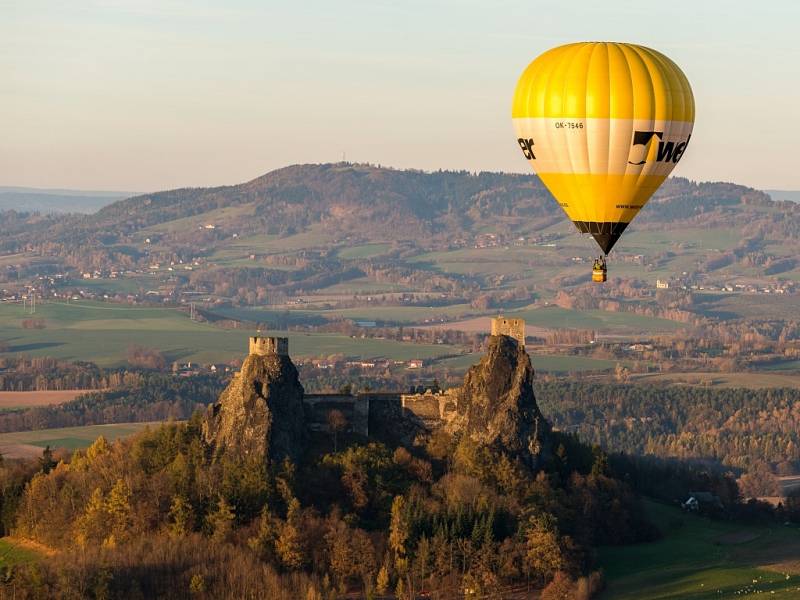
(45, 200)
(782, 195)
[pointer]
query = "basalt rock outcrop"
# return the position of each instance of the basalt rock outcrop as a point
(260, 413)
(263, 413)
(496, 405)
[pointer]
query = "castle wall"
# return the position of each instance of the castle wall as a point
(354, 408)
(432, 408)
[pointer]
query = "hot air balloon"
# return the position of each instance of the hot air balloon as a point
(603, 124)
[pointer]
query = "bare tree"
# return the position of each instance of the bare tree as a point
(337, 422)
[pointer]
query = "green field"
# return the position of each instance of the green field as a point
(700, 559)
(397, 314)
(362, 285)
(752, 306)
(541, 363)
(213, 217)
(364, 251)
(119, 285)
(394, 314)
(544, 262)
(72, 438)
(752, 380)
(554, 317)
(102, 333)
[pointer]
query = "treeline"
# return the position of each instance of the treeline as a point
(144, 397)
(21, 374)
(737, 428)
(365, 521)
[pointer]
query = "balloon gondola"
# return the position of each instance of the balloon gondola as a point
(603, 124)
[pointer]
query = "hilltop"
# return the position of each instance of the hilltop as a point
(400, 204)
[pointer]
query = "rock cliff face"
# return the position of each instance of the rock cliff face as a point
(260, 413)
(496, 405)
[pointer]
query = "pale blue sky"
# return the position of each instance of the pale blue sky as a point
(153, 94)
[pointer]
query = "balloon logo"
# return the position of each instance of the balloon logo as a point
(603, 124)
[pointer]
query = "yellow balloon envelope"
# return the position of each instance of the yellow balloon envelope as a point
(603, 124)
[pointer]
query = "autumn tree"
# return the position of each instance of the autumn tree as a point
(181, 516)
(288, 546)
(543, 556)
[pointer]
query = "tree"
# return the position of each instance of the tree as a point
(118, 507)
(560, 588)
(98, 448)
(289, 545)
(263, 543)
(759, 481)
(543, 556)
(382, 582)
(181, 515)
(337, 423)
(92, 524)
(221, 521)
(46, 462)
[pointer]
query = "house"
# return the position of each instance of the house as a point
(414, 363)
(662, 284)
(701, 500)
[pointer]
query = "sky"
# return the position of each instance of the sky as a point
(143, 95)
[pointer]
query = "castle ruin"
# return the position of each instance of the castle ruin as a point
(513, 328)
(430, 409)
(264, 346)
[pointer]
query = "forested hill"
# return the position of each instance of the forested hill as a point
(351, 197)
(399, 204)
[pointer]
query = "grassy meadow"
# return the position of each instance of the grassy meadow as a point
(749, 380)
(701, 559)
(29, 444)
(17, 552)
(619, 323)
(541, 363)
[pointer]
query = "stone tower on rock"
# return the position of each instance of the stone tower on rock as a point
(260, 413)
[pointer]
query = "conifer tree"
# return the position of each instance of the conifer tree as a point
(289, 546)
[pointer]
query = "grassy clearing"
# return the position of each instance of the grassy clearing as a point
(699, 559)
(213, 217)
(15, 552)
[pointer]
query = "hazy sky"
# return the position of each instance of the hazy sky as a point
(152, 94)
